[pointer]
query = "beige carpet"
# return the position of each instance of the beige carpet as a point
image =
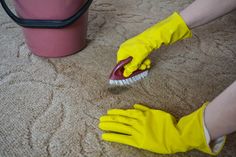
(51, 107)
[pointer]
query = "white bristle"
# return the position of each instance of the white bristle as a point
(111, 82)
(145, 73)
(129, 80)
(125, 82)
(134, 78)
(138, 77)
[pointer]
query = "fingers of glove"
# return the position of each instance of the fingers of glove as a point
(147, 62)
(119, 119)
(131, 113)
(123, 139)
(141, 107)
(121, 55)
(116, 127)
(130, 68)
(143, 67)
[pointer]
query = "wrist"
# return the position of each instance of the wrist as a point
(214, 143)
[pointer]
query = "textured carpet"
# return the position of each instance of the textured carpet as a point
(51, 107)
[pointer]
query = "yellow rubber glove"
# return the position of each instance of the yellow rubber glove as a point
(139, 47)
(156, 130)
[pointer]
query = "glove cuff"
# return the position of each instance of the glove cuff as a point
(182, 30)
(166, 32)
(191, 132)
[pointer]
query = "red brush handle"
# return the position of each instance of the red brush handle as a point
(117, 72)
(122, 63)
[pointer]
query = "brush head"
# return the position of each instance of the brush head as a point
(117, 78)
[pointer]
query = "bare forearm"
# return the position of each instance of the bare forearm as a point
(203, 11)
(220, 114)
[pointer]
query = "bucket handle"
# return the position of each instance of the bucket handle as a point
(31, 23)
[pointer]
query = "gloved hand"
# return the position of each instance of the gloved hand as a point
(139, 47)
(156, 130)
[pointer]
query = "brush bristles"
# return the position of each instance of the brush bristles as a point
(129, 80)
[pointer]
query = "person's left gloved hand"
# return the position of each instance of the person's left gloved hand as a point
(156, 130)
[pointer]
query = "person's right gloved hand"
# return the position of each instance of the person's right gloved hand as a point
(139, 47)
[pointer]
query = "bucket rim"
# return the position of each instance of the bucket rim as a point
(32, 23)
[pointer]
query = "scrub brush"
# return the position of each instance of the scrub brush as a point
(117, 78)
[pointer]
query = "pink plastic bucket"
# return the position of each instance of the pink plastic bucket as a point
(52, 28)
